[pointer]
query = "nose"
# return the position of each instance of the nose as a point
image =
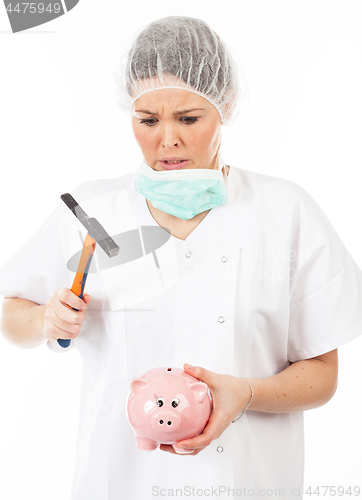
(166, 421)
(169, 145)
(170, 137)
(161, 422)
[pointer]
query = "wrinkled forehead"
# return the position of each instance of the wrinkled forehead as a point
(142, 87)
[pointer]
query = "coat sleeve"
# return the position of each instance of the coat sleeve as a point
(326, 286)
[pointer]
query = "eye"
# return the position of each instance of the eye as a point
(160, 402)
(189, 120)
(149, 121)
(175, 402)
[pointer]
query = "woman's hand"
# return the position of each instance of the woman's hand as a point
(61, 321)
(230, 395)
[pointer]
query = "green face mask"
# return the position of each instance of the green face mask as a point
(182, 193)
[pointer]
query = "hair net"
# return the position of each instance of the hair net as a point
(181, 52)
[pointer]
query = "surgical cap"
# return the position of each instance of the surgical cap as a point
(181, 52)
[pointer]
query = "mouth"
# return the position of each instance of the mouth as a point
(173, 163)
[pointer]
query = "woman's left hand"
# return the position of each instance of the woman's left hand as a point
(229, 396)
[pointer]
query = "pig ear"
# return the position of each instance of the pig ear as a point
(137, 384)
(200, 390)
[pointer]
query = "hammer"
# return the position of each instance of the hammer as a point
(95, 234)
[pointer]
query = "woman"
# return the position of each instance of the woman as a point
(253, 282)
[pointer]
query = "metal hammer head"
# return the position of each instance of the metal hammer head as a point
(94, 228)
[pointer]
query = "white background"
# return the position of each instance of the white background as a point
(60, 125)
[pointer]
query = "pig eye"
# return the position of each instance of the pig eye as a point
(175, 402)
(160, 402)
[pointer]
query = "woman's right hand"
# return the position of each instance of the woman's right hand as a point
(61, 321)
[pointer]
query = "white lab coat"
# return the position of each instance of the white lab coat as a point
(261, 281)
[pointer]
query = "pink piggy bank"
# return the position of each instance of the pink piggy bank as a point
(167, 405)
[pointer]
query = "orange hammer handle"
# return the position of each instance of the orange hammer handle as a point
(81, 275)
(83, 266)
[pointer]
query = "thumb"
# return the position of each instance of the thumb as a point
(87, 298)
(210, 378)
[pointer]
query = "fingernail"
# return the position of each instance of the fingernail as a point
(189, 367)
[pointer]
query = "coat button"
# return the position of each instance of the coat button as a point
(221, 319)
(219, 449)
(224, 259)
(188, 255)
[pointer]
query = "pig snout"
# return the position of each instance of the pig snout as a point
(166, 421)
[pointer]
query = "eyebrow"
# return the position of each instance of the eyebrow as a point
(182, 112)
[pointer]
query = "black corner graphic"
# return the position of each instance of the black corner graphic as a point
(26, 15)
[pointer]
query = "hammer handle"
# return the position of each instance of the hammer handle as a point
(81, 275)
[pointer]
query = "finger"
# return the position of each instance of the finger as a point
(87, 299)
(210, 378)
(72, 317)
(213, 429)
(68, 328)
(55, 327)
(170, 449)
(53, 332)
(69, 298)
